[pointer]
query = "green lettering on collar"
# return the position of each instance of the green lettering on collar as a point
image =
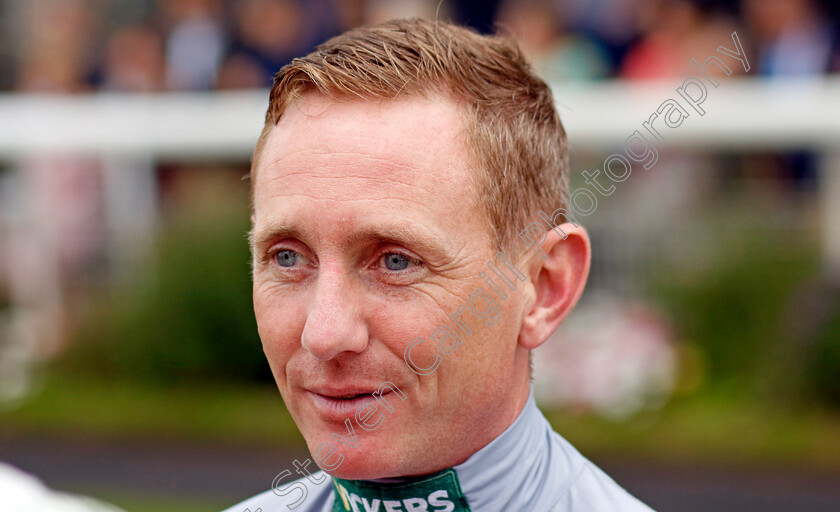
(439, 492)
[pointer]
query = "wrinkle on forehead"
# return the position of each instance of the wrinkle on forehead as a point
(351, 121)
(356, 141)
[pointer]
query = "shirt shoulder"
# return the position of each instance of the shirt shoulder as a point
(592, 490)
(595, 491)
(312, 493)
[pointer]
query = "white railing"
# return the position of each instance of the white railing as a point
(742, 114)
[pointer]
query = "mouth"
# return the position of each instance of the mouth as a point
(340, 405)
(350, 396)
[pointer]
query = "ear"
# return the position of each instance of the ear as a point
(557, 281)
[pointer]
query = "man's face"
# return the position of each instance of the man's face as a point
(367, 235)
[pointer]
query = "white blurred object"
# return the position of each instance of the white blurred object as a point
(21, 492)
(17, 356)
(613, 357)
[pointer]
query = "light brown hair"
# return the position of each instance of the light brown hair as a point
(513, 130)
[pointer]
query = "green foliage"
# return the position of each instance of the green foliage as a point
(824, 363)
(229, 412)
(189, 318)
(733, 304)
(5, 301)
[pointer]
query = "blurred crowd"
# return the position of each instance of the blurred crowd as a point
(158, 45)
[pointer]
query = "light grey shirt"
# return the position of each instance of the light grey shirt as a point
(529, 467)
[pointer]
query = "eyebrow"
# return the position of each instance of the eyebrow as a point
(429, 243)
(274, 231)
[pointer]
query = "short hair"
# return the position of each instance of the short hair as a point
(513, 130)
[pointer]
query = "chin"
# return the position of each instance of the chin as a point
(366, 467)
(378, 455)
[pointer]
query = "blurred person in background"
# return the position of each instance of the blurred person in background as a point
(268, 34)
(134, 61)
(378, 11)
(397, 164)
(478, 14)
(195, 44)
(540, 30)
(239, 71)
(56, 52)
(674, 32)
(792, 37)
(611, 24)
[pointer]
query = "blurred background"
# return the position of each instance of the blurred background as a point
(701, 368)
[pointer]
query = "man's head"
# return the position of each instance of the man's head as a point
(395, 163)
(512, 131)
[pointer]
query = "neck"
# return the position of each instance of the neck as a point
(489, 479)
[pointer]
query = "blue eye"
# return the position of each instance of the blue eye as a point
(286, 258)
(394, 261)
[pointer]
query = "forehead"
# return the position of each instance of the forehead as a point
(355, 158)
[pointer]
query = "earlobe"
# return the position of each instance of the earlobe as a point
(557, 283)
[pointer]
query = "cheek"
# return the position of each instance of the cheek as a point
(396, 324)
(280, 321)
(488, 349)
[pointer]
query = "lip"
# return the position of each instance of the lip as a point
(337, 392)
(332, 408)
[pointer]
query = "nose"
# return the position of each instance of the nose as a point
(333, 322)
